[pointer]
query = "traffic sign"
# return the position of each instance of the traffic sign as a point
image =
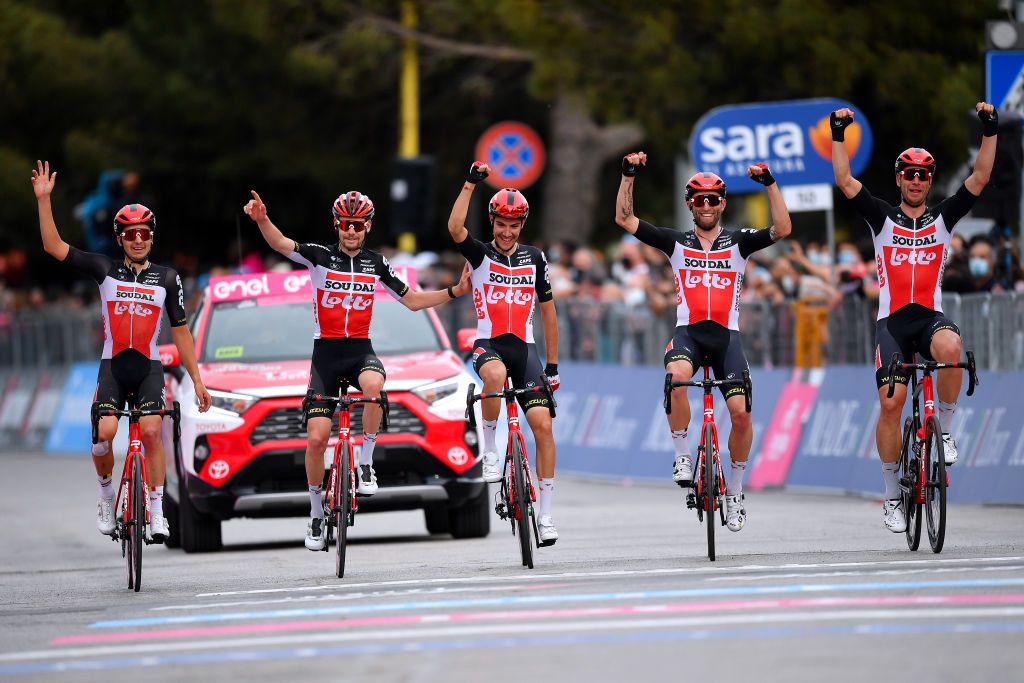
(514, 152)
(1004, 80)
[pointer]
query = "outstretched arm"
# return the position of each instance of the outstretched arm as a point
(42, 184)
(839, 120)
(257, 211)
(782, 225)
(978, 179)
(457, 220)
(414, 301)
(624, 216)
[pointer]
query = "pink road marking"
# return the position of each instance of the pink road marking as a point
(676, 608)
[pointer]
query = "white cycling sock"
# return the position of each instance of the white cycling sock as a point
(946, 411)
(890, 472)
(547, 492)
(490, 429)
(679, 442)
(366, 454)
(106, 486)
(156, 501)
(316, 501)
(736, 469)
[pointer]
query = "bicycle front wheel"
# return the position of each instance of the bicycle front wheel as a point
(137, 526)
(341, 508)
(908, 478)
(710, 486)
(522, 503)
(935, 486)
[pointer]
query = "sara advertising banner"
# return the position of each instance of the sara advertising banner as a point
(792, 137)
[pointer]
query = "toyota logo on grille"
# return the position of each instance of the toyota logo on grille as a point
(218, 469)
(457, 456)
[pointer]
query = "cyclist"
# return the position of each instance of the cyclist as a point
(708, 263)
(133, 294)
(508, 278)
(344, 276)
(911, 246)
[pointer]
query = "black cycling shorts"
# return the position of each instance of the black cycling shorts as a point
(521, 362)
(337, 363)
(708, 342)
(130, 372)
(906, 332)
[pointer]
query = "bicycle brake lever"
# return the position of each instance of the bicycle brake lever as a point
(748, 390)
(892, 374)
(668, 393)
(470, 415)
(385, 411)
(972, 376)
(95, 419)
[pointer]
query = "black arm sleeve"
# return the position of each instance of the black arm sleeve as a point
(662, 239)
(543, 278)
(309, 254)
(472, 249)
(956, 206)
(174, 304)
(871, 208)
(95, 266)
(389, 279)
(754, 240)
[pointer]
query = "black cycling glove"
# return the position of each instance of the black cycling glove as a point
(628, 169)
(475, 173)
(764, 177)
(838, 126)
(989, 122)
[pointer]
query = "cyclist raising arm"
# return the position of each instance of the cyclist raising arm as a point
(911, 244)
(133, 294)
(344, 277)
(508, 278)
(708, 265)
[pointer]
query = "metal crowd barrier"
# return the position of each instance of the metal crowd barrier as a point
(992, 326)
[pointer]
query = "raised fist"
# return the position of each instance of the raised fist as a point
(477, 172)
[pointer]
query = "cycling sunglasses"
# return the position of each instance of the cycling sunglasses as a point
(709, 199)
(132, 234)
(343, 225)
(917, 173)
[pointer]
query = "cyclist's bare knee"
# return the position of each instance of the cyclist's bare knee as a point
(318, 431)
(494, 374)
(370, 383)
(107, 429)
(149, 429)
(892, 408)
(946, 346)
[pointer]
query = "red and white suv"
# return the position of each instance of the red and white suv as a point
(245, 456)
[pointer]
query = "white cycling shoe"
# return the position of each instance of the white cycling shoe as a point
(492, 473)
(105, 516)
(682, 470)
(366, 484)
(315, 537)
(895, 519)
(949, 449)
(735, 513)
(158, 529)
(547, 532)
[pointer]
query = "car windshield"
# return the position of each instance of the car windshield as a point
(256, 331)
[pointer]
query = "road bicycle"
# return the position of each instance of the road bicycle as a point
(340, 503)
(132, 502)
(514, 501)
(706, 493)
(923, 476)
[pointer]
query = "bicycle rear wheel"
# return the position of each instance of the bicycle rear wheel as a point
(341, 508)
(521, 502)
(935, 486)
(710, 487)
(908, 477)
(137, 526)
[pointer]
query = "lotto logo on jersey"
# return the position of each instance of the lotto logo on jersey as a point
(350, 302)
(121, 308)
(510, 296)
(706, 280)
(898, 257)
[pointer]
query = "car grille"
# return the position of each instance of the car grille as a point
(284, 423)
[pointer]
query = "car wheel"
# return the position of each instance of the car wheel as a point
(437, 520)
(472, 520)
(199, 533)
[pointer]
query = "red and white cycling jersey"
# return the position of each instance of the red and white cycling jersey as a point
(910, 253)
(131, 304)
(505, 288)
(343, 288)
(708, 283)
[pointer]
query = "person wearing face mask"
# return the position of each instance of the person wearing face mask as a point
(981, 262)
(708, 263)
(911, 242)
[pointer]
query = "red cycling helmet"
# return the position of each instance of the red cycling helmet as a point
(916, 156)
(353, 205)
(133, 214)
(704, 182)
(510, 203)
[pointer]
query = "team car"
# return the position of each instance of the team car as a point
(245, 456)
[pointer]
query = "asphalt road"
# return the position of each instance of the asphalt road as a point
(813, 588)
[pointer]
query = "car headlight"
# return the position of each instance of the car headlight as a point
(435, 391)
(230, 401)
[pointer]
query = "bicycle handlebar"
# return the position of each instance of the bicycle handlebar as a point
(345, 401)
(95, 413)
(744, 383)
(509, 394)
(930, 366)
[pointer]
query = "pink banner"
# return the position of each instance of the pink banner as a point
(235, 287)
(783, 436)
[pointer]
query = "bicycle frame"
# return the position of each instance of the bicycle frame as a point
(515, 432)
(710, 501)
(135, 458)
